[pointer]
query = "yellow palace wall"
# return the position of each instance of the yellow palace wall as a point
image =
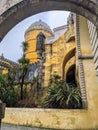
(4, 70)
(30, 38)
(55, 54)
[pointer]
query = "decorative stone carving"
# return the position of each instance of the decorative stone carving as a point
(80, 63)
(70, 19)
(40, 47)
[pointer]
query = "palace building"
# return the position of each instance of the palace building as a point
(59, 45)
(71, 51)
(5, 64)
(30, 37)
(63, 53)
(68, 51)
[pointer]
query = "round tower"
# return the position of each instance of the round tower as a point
(30, 38)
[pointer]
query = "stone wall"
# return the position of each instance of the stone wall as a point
(94, 42)
(52, 118)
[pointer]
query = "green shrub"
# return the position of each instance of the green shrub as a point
(62, 95)
(7, 92)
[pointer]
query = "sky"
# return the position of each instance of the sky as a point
(10, 46)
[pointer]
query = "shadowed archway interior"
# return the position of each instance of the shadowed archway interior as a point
(70, 75)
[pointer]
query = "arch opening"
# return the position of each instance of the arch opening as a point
(66, 59)
(70, 75)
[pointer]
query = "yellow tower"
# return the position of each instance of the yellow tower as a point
(30, 38)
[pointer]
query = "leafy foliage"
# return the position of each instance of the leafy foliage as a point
(7, 91)
(24, 46)
(23, 61)
(29, 94)
(62, 95)
(23, 69)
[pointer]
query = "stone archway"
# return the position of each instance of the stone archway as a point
(66, 59)
(14, 11)
(70, 75)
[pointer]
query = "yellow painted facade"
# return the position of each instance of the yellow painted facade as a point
(30, 38)
(5, 71)
(63, 55)
(55, 52)
(5, 64)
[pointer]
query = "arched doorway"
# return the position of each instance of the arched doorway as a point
(70, 75)
(66, 59)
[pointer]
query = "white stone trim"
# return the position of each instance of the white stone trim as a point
(80, 64)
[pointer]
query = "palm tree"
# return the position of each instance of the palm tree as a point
(62, 95)
(23, 68)
(7, 90)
